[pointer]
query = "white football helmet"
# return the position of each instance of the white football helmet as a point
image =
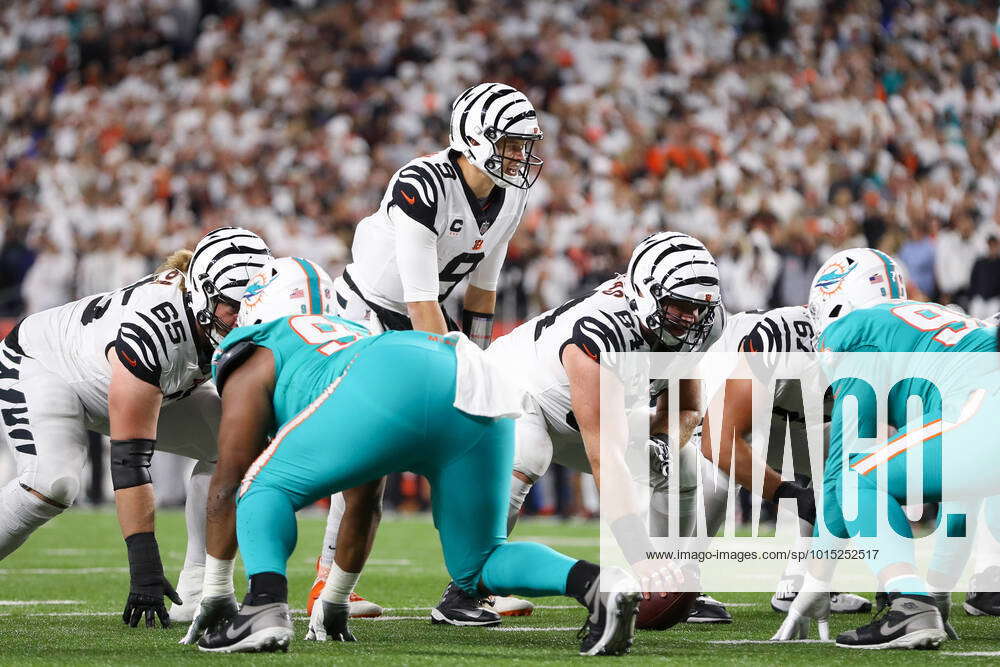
(219, 271)
(853, 279)
(486, 117)
(673, 269)
(286, 286)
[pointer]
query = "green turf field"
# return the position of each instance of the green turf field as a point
(61, 596)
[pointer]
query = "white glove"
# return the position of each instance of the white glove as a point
(328, 622)
(808, 605)
(212, 614)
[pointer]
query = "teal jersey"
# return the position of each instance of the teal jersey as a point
(310, 353)
(926, 333)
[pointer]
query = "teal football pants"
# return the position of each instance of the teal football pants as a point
(392, 411)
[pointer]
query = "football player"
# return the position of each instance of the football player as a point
(763, 335)
(133, 364)
(443, 217)
(668, 300)
(343, 409)
(858, 303)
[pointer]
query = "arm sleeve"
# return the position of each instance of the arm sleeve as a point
(416, 256)
(488, 272)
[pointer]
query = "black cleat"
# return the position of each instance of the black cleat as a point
(260, 628)
(459, 608)
(707, 609)
(984, 597)
(610, 625)
(907, 622)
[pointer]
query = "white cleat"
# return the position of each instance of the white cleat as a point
(511, 606)
(189, 585)
(362, 608)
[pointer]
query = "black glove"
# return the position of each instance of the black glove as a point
(805, 497)
(148, 585)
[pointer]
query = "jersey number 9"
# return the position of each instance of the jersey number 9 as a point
(331, 337)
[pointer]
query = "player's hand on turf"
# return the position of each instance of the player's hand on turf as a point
(212, 615)
(147, 600)
(806, 607)
(329, 622)
(148, 586)
(657, 577)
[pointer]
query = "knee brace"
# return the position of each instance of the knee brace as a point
(130, 462)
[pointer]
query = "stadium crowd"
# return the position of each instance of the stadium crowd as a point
(777, 131)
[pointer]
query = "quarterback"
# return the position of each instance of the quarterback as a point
(298, 375)
(134, 364)
(443, 217)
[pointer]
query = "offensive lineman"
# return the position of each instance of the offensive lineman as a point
(443, 217)
(133, 364)
(668, 300)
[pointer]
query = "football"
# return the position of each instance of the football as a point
(660, 613)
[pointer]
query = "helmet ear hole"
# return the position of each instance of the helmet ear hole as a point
(835, 311)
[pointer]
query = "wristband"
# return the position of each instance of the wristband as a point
(478, 327)
(218, 577)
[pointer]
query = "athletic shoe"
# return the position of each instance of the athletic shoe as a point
(943, 603)
(189, 585)
(840, 603)
(610, 625)
(510, 606)
(707, 609)
(459, 608)
(849, 603)
(983, 598)
(257, 628)
(907, 622)
(360, 607)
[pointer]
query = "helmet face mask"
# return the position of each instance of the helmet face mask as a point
(218, 273)
(495, 127)
(672, 286)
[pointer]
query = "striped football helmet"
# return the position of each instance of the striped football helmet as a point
(672, 286)
(220, 269)
(491, 119)
(853, 279)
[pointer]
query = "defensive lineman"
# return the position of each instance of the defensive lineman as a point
(443, 217)
(132, 363)
(298, 376)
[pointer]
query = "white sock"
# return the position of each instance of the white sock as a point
(333, 519)
(21, 513)
(339, 585)
(194, 515)
(518, 492)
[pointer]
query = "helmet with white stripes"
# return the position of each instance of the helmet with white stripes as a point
(286, 286)
(672, 286)
(853, 279)
(220, 269)
(495, 127)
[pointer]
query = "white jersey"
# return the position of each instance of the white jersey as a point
(431, 191)
(149, 324)
(769, 333)
(600, 324)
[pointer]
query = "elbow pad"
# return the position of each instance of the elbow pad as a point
(130, 462)
(478, 327)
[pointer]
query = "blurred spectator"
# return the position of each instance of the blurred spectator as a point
(957, 249)
(917, 254)
(984, 284)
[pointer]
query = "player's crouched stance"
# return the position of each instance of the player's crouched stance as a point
(360, 407)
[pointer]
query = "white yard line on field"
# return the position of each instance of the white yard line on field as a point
(62, 570)
(31, 603)
(768, 641)
(523, 629)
